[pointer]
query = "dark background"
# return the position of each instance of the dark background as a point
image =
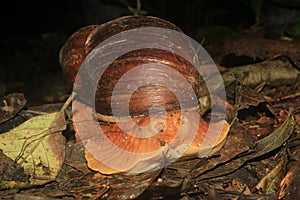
(34, 31)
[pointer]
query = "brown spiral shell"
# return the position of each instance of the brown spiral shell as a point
(180, 117)
(83, 41)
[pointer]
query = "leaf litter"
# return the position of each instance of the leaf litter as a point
(250, 165)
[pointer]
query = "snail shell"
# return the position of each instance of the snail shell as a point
(159, 66)
(80, 44)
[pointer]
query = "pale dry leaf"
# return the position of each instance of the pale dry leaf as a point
(38, 146)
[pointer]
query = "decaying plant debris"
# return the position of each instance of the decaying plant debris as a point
(260, 159)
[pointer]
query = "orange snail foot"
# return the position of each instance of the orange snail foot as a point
(150, 143)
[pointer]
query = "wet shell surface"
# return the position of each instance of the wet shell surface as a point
(159, 64)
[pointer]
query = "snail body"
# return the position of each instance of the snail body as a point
(145, 114)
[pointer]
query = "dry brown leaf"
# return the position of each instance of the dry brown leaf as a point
(10, 105)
